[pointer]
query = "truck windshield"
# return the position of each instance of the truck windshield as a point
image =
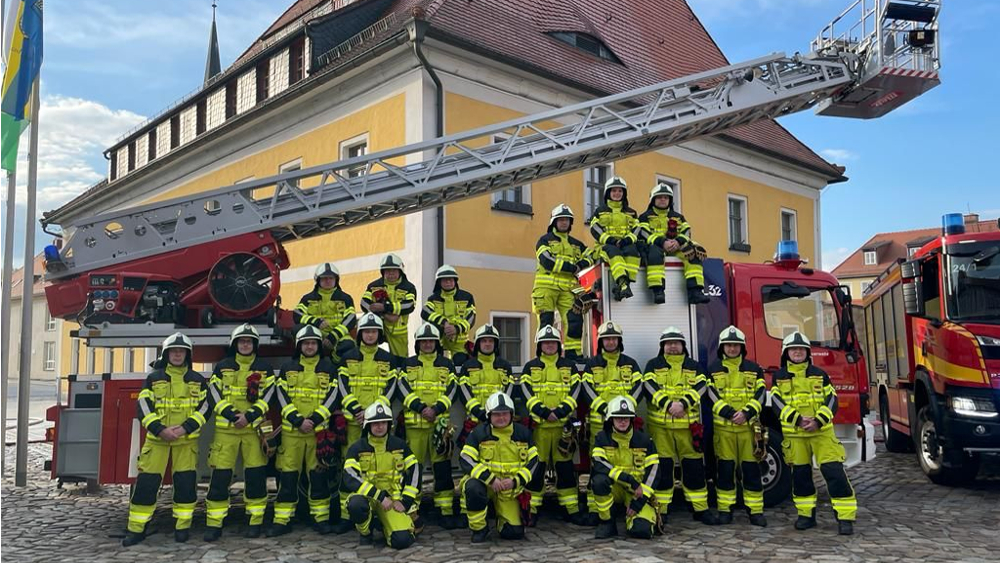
(973, 285)
(814, 315)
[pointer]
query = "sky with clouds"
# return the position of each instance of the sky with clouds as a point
(109, 64)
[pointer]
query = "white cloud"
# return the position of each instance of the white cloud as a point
(838, 155)
(834, 256)
(72, 135)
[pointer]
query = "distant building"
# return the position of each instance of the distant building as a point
(46, 332)
(861, 268)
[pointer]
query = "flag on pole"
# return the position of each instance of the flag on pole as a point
(22, 52)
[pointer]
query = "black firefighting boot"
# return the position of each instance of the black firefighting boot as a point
(845, 527)
(212, 534)
(132, 538)
(758, 520)
(606, 529)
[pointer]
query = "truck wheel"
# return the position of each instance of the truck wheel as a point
(895, 441)
(775, 474)
(931, 455)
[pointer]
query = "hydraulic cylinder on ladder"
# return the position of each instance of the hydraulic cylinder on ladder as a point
(216, 257)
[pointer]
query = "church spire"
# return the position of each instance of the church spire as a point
(212, 65)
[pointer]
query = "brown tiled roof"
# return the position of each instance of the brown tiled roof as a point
(17, 277)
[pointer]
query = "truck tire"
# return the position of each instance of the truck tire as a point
(895, 441)
(931, 456)
(775, 473)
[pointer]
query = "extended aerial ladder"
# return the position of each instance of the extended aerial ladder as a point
(216, 256)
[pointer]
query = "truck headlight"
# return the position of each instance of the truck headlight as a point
(976, 407)
(988, 340)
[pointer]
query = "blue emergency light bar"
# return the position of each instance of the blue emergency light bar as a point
(787, 250)
(952, 224)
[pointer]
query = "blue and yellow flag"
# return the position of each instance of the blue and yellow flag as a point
(22, 50)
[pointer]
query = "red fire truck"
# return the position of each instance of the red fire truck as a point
(932, 338)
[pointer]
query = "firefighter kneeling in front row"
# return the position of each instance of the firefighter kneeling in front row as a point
(499, 461)
(383, 478)
(624, 470)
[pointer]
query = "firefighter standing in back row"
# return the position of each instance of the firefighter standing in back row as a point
(428, 386)
(560, 257)
(392, 297)
(608, 374)
(308, 391)
(172, 407)
(614, 227)
(805, 401)
(453, 311)
(551, 387)
(239, 387)
(328, 308)
(737, 391)
(674, 385)
(665, 232)
(484, 373)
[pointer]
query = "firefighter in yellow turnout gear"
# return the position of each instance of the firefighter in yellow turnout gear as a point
(453, 311)
(624, 469)
(330, 309)
(737, 392)
(172, 407)
(308, 391)
(383, 478)
(674, 385)
(370, 373)
(239, 388)
(392, 297)
(615, 227)
(499, 460)
(608, 374)
(665, 232)
(560, 257)
(805, 401)
(484, 373)
(428, 386)
(551, 386)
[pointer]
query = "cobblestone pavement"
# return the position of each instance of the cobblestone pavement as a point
(901, 517)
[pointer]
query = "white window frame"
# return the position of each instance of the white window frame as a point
(129, 359)
(911, 250)
(497, 196)
(587, 211)
(795, 223)
(109, 360)
(290, 166)
(745, 223)
(49, 356)
(348, 144)
(871, 258)
(91, 360)
(864, 285)
(526, 339)
(675, 184)
(50, 321)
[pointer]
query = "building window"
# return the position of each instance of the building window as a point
(674, 184)
(789, 226)
(50, 356)
(911, 251)
(296, 60)
(512, 328)
(864, 286)
(129, 359)
(109, 360)
(587, 43)
(50, 321)
(200, 116)
(871, 258)
(114, 166)
(175, 131)
(516, 199)
(353, 148)
(738, 235)
(151, 146)
(131, 156)
(291, 167)
(91, 359)
(230, 99)
(263, 78)
(593, 188)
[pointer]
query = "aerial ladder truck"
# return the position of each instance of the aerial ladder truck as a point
(204, 262)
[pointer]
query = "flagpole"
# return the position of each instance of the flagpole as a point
(27, 301)
(8, 273)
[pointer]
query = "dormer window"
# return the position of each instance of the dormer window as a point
(587, 43)
(871, 258)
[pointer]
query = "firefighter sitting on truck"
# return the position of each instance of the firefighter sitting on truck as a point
(383, 478)
(392, 297)
(624, 469)
(499, 460)
(453, 311)
(805, 401)
(665, 232)
(370, 373)
(308, 391)
(737, 392)
(330, 309)
(172, 407)
(560, 257)
(674, 385)
(239, 387)
(614, 226)
(608, 374)
(428, 386)
(551, 388)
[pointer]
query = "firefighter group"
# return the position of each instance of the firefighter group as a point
(363, 416)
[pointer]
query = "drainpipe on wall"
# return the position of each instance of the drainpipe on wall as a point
(418, 30)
